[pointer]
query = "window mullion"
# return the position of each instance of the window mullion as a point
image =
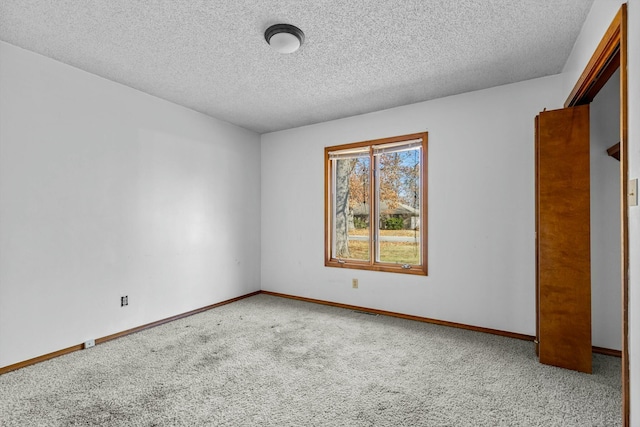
(375, 203)
(372, 184)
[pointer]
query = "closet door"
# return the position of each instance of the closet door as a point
(563, 255)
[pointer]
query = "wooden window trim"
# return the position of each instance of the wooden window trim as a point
(372, 265)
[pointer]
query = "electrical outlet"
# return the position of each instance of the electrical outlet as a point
(124, 300)
(90, 343)
(354, 283)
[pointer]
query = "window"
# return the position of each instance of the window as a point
(375, 205)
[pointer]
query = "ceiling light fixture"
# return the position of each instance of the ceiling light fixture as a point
(284, 38)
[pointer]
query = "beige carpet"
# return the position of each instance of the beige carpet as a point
(267, 361)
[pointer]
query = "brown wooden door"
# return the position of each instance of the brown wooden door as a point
(563, 255)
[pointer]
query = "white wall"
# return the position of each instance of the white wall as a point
(106, 191)
(481, 208)
(601, 14)
(605, 218)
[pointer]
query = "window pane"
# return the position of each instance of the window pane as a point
(351, 208)
(398, 192)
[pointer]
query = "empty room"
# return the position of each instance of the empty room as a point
(297, 213)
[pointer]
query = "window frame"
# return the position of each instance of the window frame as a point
(372, 264)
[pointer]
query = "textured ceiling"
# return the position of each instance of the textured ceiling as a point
(359, 55)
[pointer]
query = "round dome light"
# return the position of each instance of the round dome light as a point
(284, 38)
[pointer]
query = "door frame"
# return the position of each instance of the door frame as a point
(610, 55)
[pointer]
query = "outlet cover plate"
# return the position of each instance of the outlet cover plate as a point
(89, 343)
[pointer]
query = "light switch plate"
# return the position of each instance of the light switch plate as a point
(633, 192)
